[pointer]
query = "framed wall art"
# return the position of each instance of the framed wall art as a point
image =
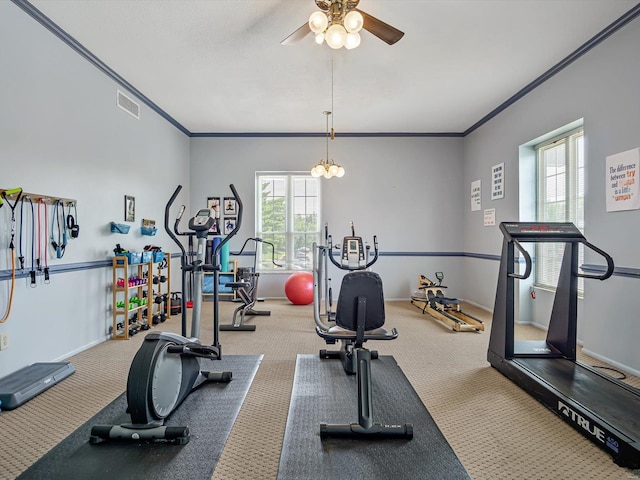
(129, 208)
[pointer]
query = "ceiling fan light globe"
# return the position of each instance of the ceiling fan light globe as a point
(353, 21)
(333, 170)
(336, 36)
(318, 22)
(327, 174)
(352, 40)
(320, 38)
(319, 170)
(340, 173)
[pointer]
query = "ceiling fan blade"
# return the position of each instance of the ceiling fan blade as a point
(383, 31)
(298, 35)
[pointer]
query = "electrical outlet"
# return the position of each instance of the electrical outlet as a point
(4, 340)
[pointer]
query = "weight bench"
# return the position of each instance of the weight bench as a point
(360, 317)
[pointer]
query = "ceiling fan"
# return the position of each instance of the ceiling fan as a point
(341, 12)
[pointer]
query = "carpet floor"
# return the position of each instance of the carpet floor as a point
(496, 429)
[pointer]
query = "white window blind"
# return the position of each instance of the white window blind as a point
(560, 198)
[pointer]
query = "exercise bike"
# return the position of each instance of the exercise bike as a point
(354, 256)
(246, 290)
(359, 317)
(167, 367)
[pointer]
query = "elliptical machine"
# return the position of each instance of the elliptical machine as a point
(166, 368)
(354, 256)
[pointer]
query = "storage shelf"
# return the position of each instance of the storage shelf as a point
(122, 269)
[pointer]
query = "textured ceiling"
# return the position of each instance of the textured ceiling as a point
(217, 66)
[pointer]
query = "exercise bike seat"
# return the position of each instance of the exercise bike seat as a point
(339, 333)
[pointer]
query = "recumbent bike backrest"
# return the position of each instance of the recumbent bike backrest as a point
(367, 285)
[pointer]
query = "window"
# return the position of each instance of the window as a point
(288, 215)
(560, 185)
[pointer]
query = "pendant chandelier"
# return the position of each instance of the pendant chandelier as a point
(326, 167)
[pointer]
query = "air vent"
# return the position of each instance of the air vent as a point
(128, 105)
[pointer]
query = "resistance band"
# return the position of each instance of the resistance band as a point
(18, 193)
(20, 235)
(61, 244)
(32, 272)
(72, 222)
(42, 240)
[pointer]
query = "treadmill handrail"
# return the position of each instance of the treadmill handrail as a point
(527, 261)
(607, 257)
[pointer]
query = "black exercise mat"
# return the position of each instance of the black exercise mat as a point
(209, 411)
(323, 393)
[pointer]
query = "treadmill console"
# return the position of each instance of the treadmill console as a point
(541, 232)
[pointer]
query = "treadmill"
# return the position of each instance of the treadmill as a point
(605, 410)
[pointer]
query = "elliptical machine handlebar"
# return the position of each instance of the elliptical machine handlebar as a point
(185, 267)
(175, 227)
(238, 222)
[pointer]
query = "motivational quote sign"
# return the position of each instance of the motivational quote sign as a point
(622, 181)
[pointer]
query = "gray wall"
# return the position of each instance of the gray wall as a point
(602, 88)
(61, 134)
(405, 190)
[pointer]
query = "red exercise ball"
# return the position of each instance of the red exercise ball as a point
(299, 288)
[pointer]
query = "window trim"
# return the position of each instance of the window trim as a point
(289, 232)
(572, 192)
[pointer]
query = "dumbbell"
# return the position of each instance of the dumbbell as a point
(159, 279)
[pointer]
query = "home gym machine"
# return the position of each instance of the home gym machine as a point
(247, 290)
(600, 407)
(354, 256)
(359, 317)
(430, 299)
(166, 368)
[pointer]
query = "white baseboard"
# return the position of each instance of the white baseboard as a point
(613, 363)
(477, 305)
(83, 348)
